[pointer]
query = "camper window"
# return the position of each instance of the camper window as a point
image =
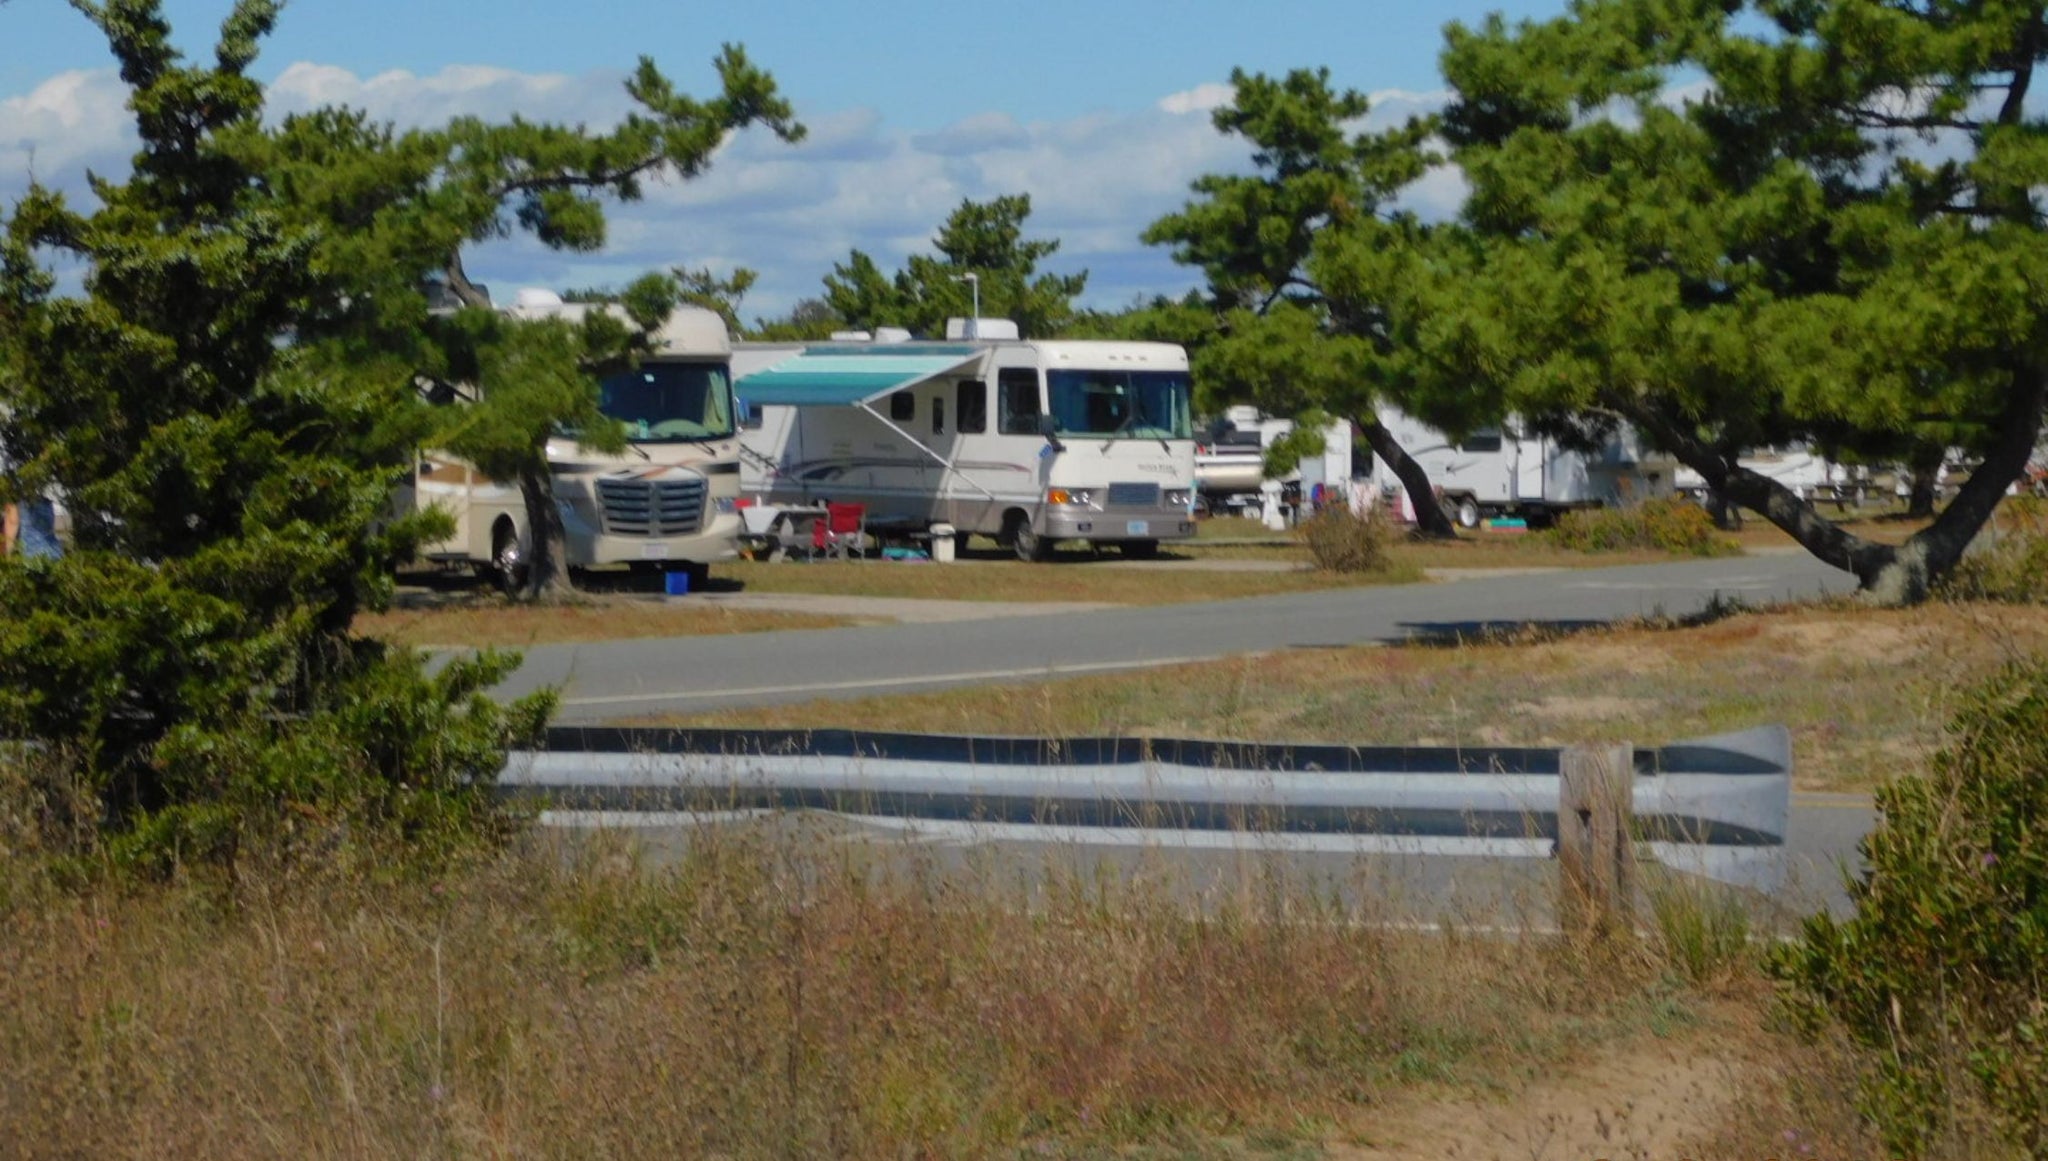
(939, 416)
(970, 410)
(1121, 404)
(664, 402)
(1019, 387)
(903, 406)
(1481, 441)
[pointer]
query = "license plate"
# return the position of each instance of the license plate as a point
(654, 551)
(1138, 527)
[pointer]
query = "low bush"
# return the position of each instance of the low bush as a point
(2009, 564)
(1673, 524)
(1938, 976)
(1340, 540)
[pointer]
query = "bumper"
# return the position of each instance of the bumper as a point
(1116, 524)
(719, 540)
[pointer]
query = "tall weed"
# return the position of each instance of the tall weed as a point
(1672, 524)
(1340, 540)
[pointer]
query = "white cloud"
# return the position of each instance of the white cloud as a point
(790, 212)
(71, 123)
(1200, 99)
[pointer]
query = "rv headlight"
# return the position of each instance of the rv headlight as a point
(726, 505)
(1068, 496)
(1179, 497)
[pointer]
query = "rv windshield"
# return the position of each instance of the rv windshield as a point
(1120, 404)
(661, 402)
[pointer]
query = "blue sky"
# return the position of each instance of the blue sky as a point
(1098, 110)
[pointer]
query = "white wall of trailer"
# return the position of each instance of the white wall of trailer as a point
(1504, 471)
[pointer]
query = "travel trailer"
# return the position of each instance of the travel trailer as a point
(1031, 442)
(1499, 472)
(1810, 476)
(1230, 461)
(667, 501)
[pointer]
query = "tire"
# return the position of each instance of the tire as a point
(1466, 512)
(508, 563)
(1031, 547)
(1140, 549)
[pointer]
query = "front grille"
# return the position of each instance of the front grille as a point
(652, 507)
(1142, 495)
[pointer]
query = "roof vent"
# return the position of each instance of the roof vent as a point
(851, 337)
(982, 328)
(891, 335)
(536, 296)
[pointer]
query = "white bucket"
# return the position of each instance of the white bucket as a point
(942, 543)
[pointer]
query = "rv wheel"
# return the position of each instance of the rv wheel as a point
(508, 564)
(1467, 513)
(1030, 545)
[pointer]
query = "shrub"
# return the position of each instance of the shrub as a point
(1673, 524)
(1341, 540)
(2009, 564)
(1938, 975)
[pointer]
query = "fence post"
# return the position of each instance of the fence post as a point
(1596, 838)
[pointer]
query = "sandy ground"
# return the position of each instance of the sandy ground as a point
(1653, 1098)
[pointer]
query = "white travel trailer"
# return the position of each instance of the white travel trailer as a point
(667, 501)
(1500, 472)
(1030, 442)
(1810, 475)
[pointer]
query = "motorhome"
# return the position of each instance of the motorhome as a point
(1028, 441)
(1505, 472)
(667, 501)
(1230, 462)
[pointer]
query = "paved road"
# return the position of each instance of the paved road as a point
(609, 680)
(617, 679)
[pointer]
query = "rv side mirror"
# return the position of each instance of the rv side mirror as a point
(1050, 429)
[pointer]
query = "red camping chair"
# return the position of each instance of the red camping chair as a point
(843, 530)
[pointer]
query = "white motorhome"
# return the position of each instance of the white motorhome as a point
(667, 501)
(1230, 460)
(1031, 442)
(1502, 472)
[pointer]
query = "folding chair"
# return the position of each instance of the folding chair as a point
(842, 530)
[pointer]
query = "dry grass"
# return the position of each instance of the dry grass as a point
(768, 994)
(989, 576)
(1864, 691)
(482, 619)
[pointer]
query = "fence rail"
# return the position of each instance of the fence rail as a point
(1714, 806)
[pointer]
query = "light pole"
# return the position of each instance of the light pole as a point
(973, 282)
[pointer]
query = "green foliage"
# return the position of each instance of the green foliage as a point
(2011, 564)
(1938, 974)
(1340, 540)
(226, 447)
(982, 239)
(1776, 260)
(1672, 524)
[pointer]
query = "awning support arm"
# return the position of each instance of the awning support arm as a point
(936, 457)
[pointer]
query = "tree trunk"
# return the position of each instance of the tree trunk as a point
(1924, 474)
(1430, 519)
(1887, 575)
(546, 574)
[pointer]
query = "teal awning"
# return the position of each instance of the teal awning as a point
(839, 377)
